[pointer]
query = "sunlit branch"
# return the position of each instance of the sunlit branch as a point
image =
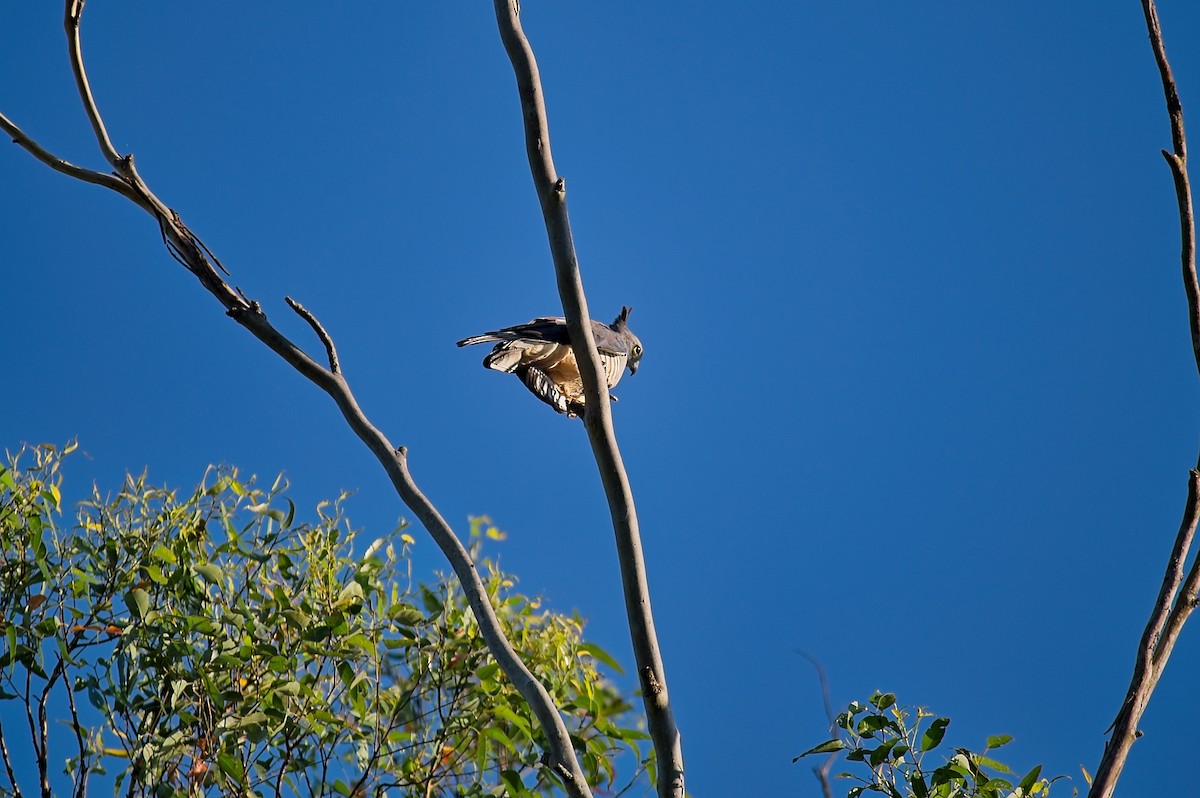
(1173, 606)
(20, 138)
(552, 195)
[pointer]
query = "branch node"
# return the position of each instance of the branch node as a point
(650, 682)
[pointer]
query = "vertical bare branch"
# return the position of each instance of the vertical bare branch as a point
(60, 672)
(1177, 160)
(552, 195)
(40, 753)
(1173, 606)
(44, 731)
(822, 772)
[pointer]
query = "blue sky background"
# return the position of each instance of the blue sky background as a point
(918, 395)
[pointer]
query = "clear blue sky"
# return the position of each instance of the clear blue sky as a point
(918, 395)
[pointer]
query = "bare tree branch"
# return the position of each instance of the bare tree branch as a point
(822, 772)
(1177, 160)
(44, 730)
(330, 350)
(1172, 607)
(72, 16)
(552, 194)
(59, 165)
(194, 255)
(81, 775)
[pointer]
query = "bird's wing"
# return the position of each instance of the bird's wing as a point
(551, 329)
(609, 341)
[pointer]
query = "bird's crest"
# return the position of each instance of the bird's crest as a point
(622, 321)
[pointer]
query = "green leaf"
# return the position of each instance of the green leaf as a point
(512, 782)
(932, 737)
(995, 786)
(998, 740)
(882, 701)
(504, 713)
(988, 762)
(960, 764)
(882, 753)
(317, 632)
(602, 655)
(351, 595)
(827, 747)
(138, 602)
(499, 736)
(868, 726)
(210, 571)
(406, 614)
(1030, 779)
(164, 554)
(253, 719)
(231, 766)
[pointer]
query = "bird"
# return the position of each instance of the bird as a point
(539, 352)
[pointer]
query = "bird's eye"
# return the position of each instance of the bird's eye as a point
(637, 350)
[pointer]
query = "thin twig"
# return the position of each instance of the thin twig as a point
(822, 772)
(81, 776)
(552, 195)
(20, 138)
(44, 728)
(72, 16)
(330, 349)
(1172, 607)
(40, 754)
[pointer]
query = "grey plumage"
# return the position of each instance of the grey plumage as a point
(539, 352)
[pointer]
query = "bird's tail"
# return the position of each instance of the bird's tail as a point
(479, 339)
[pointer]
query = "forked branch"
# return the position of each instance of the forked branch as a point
(193, 254)
(552, 194)
(1177, 596)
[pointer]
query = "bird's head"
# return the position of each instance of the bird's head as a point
(621, 326)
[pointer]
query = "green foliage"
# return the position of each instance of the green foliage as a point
(892, 743)
(215, 645)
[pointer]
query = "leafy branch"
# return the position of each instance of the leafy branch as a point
(219, 645)
(893, 744)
